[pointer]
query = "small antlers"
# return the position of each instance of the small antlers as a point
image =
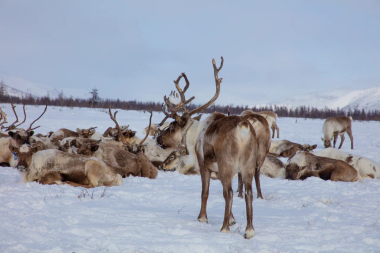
(120, 136)
(147, 132)
(217, 84)
(30, 126)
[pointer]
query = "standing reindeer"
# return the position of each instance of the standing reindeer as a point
(335, 126)
(219, 143)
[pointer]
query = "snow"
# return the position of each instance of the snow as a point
(160, 215)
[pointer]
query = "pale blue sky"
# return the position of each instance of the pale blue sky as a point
(135, 49)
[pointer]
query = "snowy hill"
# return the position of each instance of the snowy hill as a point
(344, 98)
(20, 87)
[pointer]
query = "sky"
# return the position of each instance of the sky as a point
(135, 49)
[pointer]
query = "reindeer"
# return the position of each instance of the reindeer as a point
(335, 126)
(56, 167)
(154, 153)
(17, 137)
(305, 164)
(285, 148)
(261, 127)
(86, 133)
(123, 162)
(219, 143)
(366, 167)
(271, 117)
(63, 133)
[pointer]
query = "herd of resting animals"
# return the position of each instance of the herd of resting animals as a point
(217, 147)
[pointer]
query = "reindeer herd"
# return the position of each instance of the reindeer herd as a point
(218, 147)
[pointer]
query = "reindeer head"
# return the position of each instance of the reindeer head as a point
(172, 136)
(23, 155)
(292, 171)
(173, 162)
(88, 149)
(326, 143)
(20, 136)
(86, 133)
(308, 148)
(68, 145)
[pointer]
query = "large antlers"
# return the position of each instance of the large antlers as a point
(217, 83)
(30, 126)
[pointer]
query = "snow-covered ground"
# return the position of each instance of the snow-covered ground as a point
(159, 215)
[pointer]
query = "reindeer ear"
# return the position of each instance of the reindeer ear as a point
(322, 139)
(92, 131)
(313, 147)
(50, 134)
(79, 131)
(94, 147)
(30, 133)
(198, 118)
(11, 134)
(133, 133)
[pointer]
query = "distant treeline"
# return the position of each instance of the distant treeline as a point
(282, 111)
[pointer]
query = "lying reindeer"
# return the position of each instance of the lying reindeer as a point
(123, 162)
(56, 167)
(366, 167)
(285, 148)
(305, 164)
(63, 133)
(16, 137)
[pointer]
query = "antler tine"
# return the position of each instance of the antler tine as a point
(147, 133)
(217, 84)
(181, 105)
(228, 111)
(30, 126)
(24, 117)
(11, 126)
(3, 117)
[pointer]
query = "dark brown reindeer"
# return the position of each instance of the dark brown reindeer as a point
(305, 164)
(335, 126)
(221, 144)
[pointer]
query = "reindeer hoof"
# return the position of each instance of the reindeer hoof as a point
(232, 222)
(249, 234)
(225, 230)
(203, 219)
